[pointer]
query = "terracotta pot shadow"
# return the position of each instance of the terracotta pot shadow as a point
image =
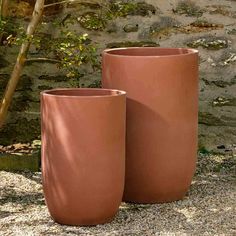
(162, 114)
(83, 154)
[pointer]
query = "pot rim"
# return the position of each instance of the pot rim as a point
(98, 93)
(189, 51)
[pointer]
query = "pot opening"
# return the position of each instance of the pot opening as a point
(150, 51)
(83, 92)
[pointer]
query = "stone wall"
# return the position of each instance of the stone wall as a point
(208, 25)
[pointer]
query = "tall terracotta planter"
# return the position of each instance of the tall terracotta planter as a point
(83, 154)
(162, 114)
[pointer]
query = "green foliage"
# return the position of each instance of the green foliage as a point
(2, 25)
(92, 21)
(188, 8)
(203, 150)
(96, 84)
(70, 49)
(11, 31)
(122, 8)
(111, 10)
(75, 51)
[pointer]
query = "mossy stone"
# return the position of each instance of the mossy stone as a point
(124, 8)
(96, 84)
(44, 87)
(188, 8)
(202, 23)
(3, 62)
(222, 101)
(92, 21)
(209, 119)
(25, 83)
(130, 28)
(21, 102)
(227, 58)
(163, 26)
(220, 83)
(231, 32)
(22, 130)
(57, 78)
(91, 5)
(132, 44)
(3, 81)
(211, 43)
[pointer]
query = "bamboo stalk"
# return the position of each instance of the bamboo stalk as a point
(19, 65)
(4, 8)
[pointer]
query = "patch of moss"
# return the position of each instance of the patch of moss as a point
(3, 81)
(23, 130)
(44, 87)
(220, 83)
(163, 27)
(131, 28)
(215, 162)
(202, 23)
(21, 103)
(92, 21)
(132, 44)
(3, 62)
(96, 84)
(91, 5)
(222, 101)
(98, 21)
(24, 84)
(220, 9)
(231, 32)
(227, 59)
(211, 43)
(58, 78)
(203, 150)
(209, 119)
(188, 8)
(122, 8)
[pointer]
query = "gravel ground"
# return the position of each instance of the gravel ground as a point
(208, 209)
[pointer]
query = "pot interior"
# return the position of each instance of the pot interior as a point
(150, 51)
(83, 92)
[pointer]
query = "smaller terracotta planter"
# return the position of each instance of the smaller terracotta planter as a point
(83, 154)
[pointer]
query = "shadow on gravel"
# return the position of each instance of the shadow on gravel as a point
(34, 176)
(4, 214)
(213, 163)
(9, 195)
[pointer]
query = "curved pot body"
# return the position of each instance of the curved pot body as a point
(83, 154)
(162, 114)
